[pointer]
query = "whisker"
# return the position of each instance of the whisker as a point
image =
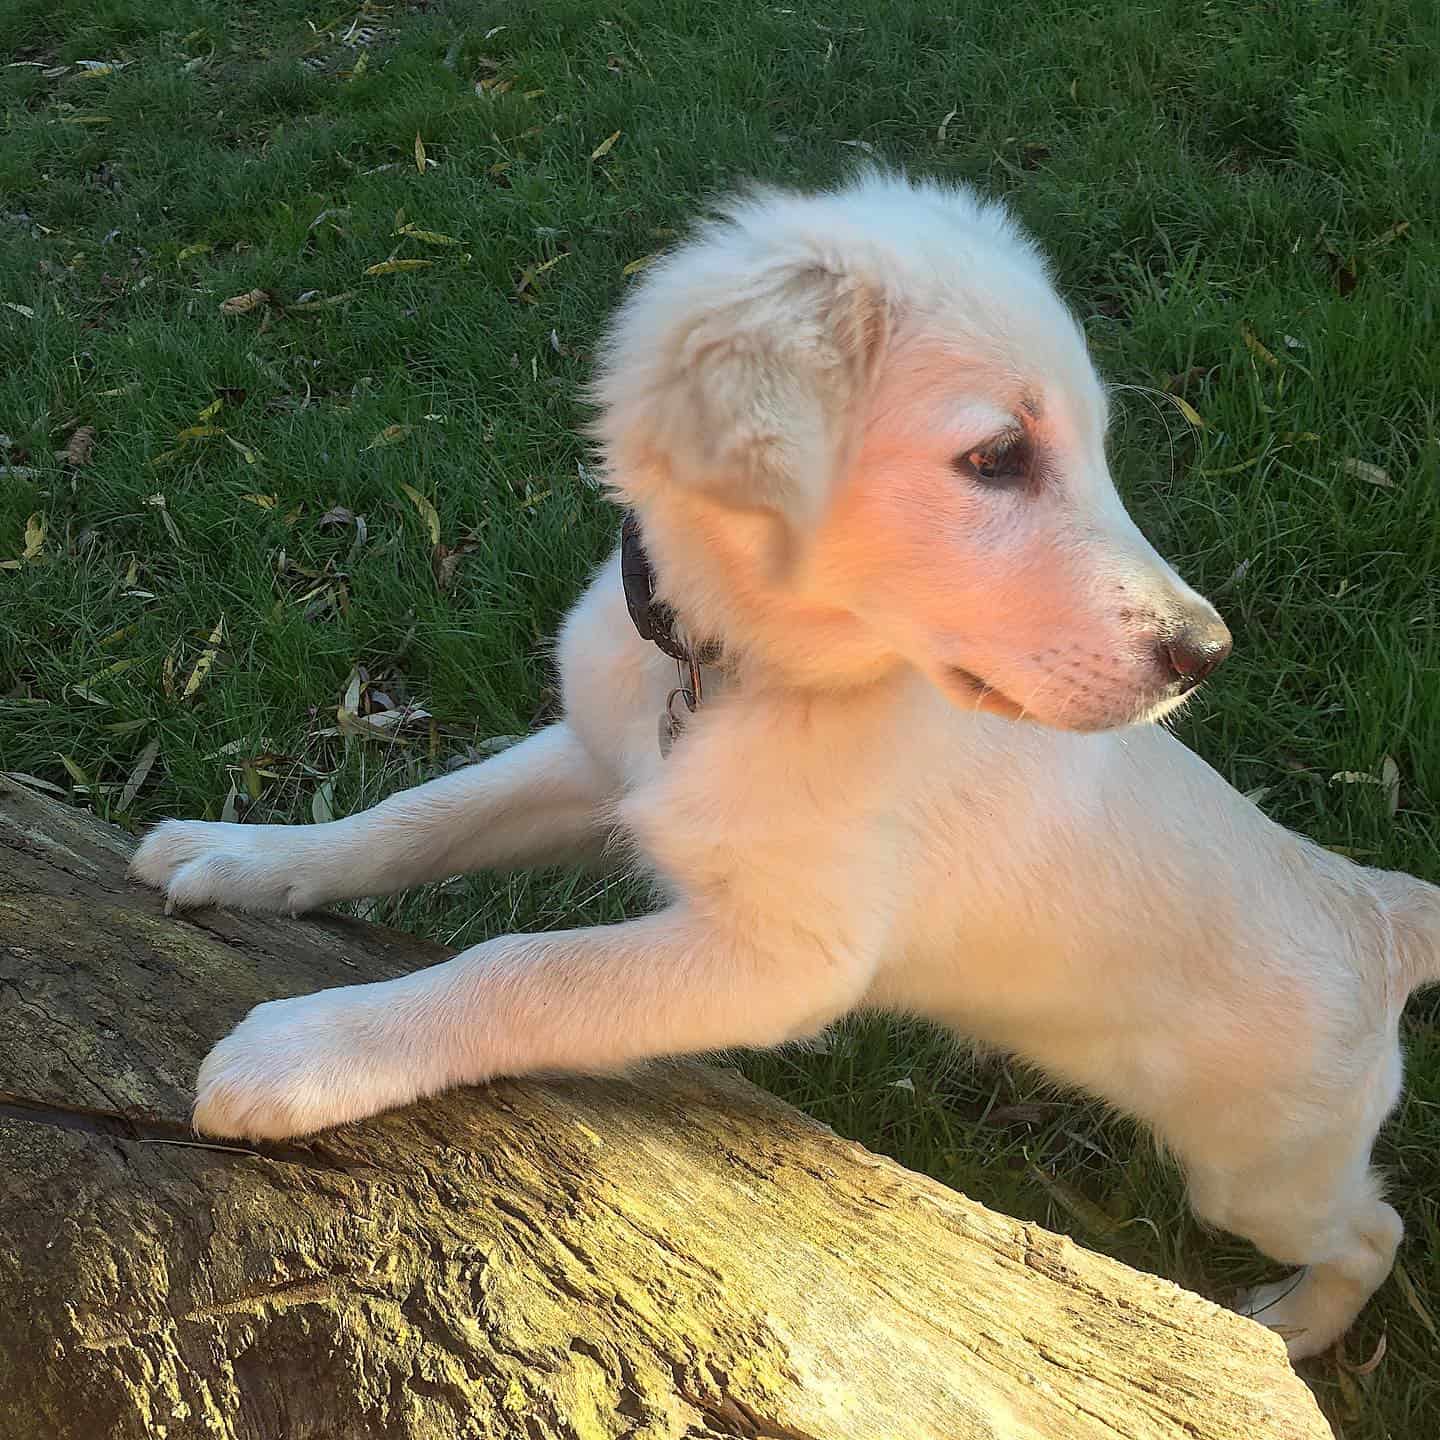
(1154, 396)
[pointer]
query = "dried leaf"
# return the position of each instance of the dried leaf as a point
(1190, 413)
(254, 786)
(323, 304)
(1390, 779)
(445, 561)
(429, 237)
(1256, 348)
(390, 435)
(419, 153)
(1235, 469)
(527, 276)
(199, 432)
(1343, 271)
(944, 128)
(20, 777)
(115, 636)
(494, 744)
(427, 512)
(139, 774)
(322, 802)
(262, 502)
(24, 310)
(385, 724)
(191, 251)
(354, 689)
(206, 660)
(1092, 1218)
(244, 304)
(34, 543)
(1365, 1367)
(1370, 474)
(1020, 1114)
(1413, 1300)
(74, 771)
(391, 267)
(605, 146)
(1393, 233)
(80, 446)
(250, 456)
(323, 599)
(637, 265)
(211, 410)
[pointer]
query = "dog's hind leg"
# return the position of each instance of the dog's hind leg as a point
(1320, 1209)
(542, 800)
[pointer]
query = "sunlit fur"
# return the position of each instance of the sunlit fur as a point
(922, 782)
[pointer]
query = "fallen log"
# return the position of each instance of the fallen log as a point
(672, 1254)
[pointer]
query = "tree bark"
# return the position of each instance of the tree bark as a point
(673, 1254)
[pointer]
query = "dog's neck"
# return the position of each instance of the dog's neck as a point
(726, 583)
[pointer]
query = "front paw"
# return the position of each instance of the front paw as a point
(267, 868)
(293, 1067)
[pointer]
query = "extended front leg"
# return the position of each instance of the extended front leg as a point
(576, 1000)
(541, 800)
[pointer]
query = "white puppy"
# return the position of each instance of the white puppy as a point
(866, 450)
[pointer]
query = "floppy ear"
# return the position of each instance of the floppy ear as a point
(756, 388)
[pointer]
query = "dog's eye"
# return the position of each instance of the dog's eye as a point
(1005, 462)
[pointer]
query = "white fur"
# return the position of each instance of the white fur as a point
(925, 780)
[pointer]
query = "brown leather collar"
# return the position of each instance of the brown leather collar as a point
(652, 618)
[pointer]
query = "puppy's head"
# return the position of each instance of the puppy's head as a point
(868, 412)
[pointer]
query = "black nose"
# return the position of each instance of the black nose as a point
(1197, 650)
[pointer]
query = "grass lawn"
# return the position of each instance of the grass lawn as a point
(318, 383)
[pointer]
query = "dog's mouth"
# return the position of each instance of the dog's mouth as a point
(982, 695)
(977, 693)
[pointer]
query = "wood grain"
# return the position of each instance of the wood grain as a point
(671, 1254)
